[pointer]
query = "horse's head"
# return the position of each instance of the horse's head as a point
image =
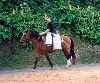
(25, 37)
(28, 34)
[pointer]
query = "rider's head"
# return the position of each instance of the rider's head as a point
(47, 19)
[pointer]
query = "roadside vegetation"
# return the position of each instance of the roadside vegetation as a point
(79, 19)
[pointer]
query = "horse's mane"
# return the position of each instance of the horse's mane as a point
(35, 34)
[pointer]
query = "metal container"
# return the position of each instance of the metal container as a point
(49, 39)
(57, 42)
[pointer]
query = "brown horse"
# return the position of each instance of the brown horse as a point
(41, 48)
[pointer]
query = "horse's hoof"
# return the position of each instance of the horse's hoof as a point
(67, 67)
(51, 68)
(33, 70)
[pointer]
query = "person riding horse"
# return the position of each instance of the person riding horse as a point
(48, 35)
(67, 46)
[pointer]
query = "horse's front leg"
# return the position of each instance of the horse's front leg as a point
(36, 61)
(47, 57)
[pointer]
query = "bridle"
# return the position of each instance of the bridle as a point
(38, 38)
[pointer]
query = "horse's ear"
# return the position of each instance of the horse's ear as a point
(26, 30)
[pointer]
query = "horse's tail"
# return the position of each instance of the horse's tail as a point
(72, 53)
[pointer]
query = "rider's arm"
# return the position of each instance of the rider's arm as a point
(47, 31)
(42, 33)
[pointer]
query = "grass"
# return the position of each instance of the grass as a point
(93, 58)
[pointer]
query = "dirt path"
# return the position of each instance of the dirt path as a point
(88, 73)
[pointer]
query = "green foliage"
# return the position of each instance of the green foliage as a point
(87, 24)
(19, 15)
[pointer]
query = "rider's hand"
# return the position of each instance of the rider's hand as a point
(42, 33)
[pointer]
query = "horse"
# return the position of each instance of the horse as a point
(42, 48)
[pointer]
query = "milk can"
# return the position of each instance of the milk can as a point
(57, 42)
(49, 39)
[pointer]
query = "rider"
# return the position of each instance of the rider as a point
(50, 26)
(49, 32)
(51, 29)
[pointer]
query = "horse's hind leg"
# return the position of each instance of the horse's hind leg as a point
(68, 57)
(68, 63)
(47, 57)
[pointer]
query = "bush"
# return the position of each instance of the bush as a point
(30, 14)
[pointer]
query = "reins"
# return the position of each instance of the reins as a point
(38, 38)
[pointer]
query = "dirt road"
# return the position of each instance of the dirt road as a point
(88, 73)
